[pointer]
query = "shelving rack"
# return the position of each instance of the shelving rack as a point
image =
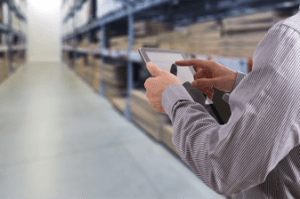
(177, 12)
(11, 34)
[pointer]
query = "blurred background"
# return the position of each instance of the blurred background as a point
(74, 118)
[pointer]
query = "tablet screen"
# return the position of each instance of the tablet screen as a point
(165, 60)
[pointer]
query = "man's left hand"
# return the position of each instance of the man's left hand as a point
(156, 85)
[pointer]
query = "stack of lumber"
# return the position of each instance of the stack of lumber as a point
(95, 75)
(150, 28)
(145, 116)
(179, 40)
(242, 34)
(94, 46)
(83, 43)
(4, 68)
(16, 60)
(119, 43)
(119, 103)
(204, 38)
(82, 68)
(167, 134)
(115, 78)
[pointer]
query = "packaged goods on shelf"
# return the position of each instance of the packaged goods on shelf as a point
(242, 34)
(94, 46)
(96, 81)
(83, 43)
(151, 41)
(167, 134)
(206, 27)
(149, 28)
(119, 43)
(81, 70)
(145, 116)
(204, 38)
(115, 78)
(119, 103)
(106, 6)
(4, 67)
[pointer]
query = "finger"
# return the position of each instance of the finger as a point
(204, 82)
(147, 82)
(193, 62)
(153, 69)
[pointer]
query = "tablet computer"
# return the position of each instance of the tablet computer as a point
(165, 60)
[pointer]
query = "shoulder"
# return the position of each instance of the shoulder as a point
(292, 22)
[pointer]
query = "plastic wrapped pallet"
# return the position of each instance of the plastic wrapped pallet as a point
(145, 116)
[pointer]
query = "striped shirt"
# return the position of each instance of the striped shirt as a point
(256, 154)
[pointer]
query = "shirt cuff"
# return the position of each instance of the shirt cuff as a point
(238, 79)
(171, 95)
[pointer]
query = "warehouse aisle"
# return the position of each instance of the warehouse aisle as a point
(60, 139)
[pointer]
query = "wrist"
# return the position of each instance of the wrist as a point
(234, 76)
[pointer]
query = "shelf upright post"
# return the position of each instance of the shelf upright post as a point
(129, 63)
(102, 47)
(9, 38)
(74, 36)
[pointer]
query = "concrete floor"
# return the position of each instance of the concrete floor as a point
(60, 139)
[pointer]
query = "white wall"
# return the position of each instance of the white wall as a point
(43, 36)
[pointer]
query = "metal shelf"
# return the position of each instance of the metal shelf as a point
(13, 7)
(3, 28)
(141, 9)
(73, 9)
(3, 48)
(19, 48)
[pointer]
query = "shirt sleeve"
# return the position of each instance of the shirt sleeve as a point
(263, 127)
(238, 79)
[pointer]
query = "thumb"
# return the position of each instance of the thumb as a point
(153, 69)
(203, 83)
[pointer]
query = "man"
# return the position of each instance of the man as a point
(257, 153)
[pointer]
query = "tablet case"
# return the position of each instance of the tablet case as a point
(220, 110)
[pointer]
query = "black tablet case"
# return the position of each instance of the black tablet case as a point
(220, 110)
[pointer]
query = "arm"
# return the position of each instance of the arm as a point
(238, 79)
(263, 127)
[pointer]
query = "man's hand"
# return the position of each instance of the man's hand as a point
(156, 85)
(210, 74)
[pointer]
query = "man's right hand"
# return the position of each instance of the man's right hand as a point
(210, 74)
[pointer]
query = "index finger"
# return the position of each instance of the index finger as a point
(189, 62)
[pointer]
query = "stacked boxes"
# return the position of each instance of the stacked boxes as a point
(115, 78)
(149, 28)
(145, 116)
(119, 103)
(119, 43)
(241, 34)
(204, 38)
(95, 75)
(4, 67)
